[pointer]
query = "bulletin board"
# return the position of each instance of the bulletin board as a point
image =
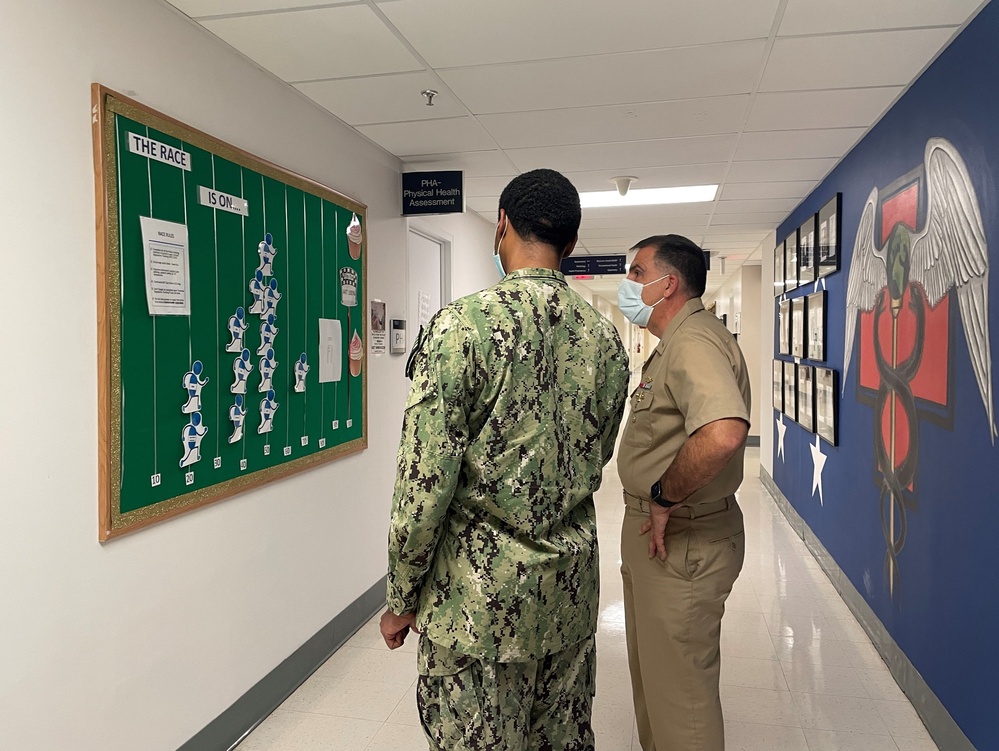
(231, 298)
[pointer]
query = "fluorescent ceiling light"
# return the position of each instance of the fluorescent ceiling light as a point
(649, 196)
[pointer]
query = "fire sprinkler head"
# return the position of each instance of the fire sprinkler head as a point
(623, 183)
(429, 94)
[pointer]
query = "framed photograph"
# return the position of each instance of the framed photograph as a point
(815, 307)
(826, 406)
(806, 252)
(779, 270)
(791, 390)
(791, 262)
(798, 327)
(779, 385)
(784, 327)
(806, 397)
(830, 224)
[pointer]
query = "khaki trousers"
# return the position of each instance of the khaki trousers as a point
(673, 611)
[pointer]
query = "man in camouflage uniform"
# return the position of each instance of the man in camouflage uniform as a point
(516, 400)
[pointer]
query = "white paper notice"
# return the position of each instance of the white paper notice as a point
(378, 334)
(330, 350)
(168, 274)
(424, 308)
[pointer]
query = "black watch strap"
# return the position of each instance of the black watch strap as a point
(657, 496)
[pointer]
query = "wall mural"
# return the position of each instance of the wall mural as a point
(918, 240)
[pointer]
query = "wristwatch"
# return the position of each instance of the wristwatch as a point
(657, 496)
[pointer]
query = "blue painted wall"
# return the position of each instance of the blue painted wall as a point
(945, 617)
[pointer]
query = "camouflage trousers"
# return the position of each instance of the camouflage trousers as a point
(475, 705)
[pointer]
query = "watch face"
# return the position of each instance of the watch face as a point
(657, 489)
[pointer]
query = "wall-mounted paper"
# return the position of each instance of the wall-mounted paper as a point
(330, 350)
(168, 273)
(378, 334)
(424, 298)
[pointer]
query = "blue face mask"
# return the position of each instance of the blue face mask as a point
(496, 256)
(629, 301)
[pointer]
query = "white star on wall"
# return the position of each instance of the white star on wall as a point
(818, 462)
(781, 429)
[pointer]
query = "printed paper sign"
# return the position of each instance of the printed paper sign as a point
(330, 350)
(218, 200)
(378, 333)
(168, 274)
(151, 149)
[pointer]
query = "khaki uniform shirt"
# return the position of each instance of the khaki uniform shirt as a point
(516, 401)
(695, 375)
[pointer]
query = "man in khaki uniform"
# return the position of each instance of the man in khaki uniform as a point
(680, 462)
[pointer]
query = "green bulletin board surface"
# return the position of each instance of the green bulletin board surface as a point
(146, 435)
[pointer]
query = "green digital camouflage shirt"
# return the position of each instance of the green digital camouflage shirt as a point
(516, 400)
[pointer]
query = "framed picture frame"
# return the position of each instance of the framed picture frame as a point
(779, 270)
(815, 308)
(791, 390)
(827, 405)
(830, 224)
(806, 251)
(784, 327)
(791, 262)
(806, 397)
(798, 327)
(778, 385)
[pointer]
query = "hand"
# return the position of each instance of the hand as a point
(395, 627)
(658, 516)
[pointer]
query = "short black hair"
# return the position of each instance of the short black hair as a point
(683, 255)
(543, 206)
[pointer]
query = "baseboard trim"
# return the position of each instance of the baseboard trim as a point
(235, 723)
(941, 726)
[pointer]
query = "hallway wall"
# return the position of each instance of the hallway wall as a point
(923, 563)
(140, 642)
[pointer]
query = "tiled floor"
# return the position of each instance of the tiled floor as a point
(798, 672)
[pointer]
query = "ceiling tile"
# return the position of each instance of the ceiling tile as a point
(595, 80)
(797, 144)
(764, 218)
(837, 108)
(652, 177)
(811, 17)
(429, 136)
(624, 156)
(780, 169)
(486, 186)
(843, 61)
(622, 122)
(202, 8)
(784, 205)
(449, 33)
(796, 189)
(489, 163)
(383, 99)
(636, 215)
(333, 42)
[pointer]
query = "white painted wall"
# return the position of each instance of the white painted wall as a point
(139, 643)
(740, 295)
(766, 323)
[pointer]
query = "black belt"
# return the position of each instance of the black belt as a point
(684, 511)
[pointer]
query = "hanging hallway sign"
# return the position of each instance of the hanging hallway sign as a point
(591, 265)
(433, 192)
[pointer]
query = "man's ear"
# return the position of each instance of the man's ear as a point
(570, 247)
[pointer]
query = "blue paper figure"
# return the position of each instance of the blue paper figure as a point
(266, 251)
(191, 437)
(267, 333)
(267, 409)
(301, 369)
(257, 288)
(267, 366)
(271, 297)
(193, 384)
(237, 325)
(241, 368)
(236, 415)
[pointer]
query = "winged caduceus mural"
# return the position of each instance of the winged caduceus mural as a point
(919, 241)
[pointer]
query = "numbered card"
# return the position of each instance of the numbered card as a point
(267, 449)
(287, 450)
(322, 443)
(154, 481)
(217, 463)
(305, 440)
(242, 464)
(189, 478)
(336, 425)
